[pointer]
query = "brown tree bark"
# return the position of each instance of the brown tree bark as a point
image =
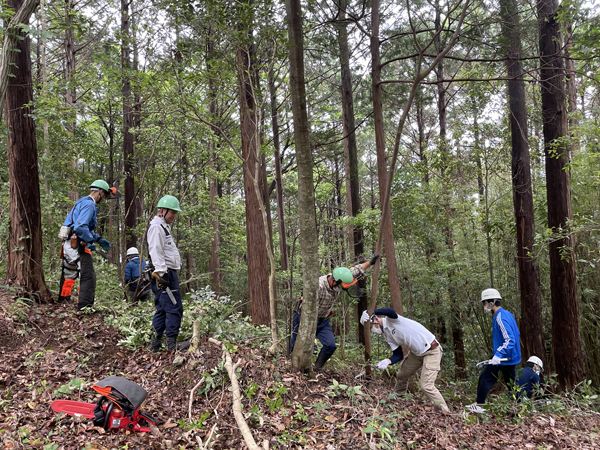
(350, 144)
(71, 91)
(531, 326)
(25, 250)
(302, 354)
(390, 251)
(258, 283)
(128, 151)
(458, 345)
(568, 356)
(278, 176)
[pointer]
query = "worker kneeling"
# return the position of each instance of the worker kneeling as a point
(528, 381)
(425, 352)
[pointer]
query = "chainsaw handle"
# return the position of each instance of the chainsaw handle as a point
(148, 417)
(109, 409)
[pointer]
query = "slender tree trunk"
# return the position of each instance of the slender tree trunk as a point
(71, 92)
(25, 251)
(350, 143)
(390, 251)
(128, 151)
(456, 326)
(563, 282)
(278, 175)
(258, 284)
(302, 354)
(532, 330)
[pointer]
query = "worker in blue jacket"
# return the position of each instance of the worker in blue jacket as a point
(528, 382)
(137, 288)
(507, 349)
(79, 242)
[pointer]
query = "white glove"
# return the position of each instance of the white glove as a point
(383, 364)
(495, 361)
(364, 318)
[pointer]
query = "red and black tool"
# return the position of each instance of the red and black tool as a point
(119, 406)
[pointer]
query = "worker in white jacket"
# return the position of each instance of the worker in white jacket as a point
(425, 352)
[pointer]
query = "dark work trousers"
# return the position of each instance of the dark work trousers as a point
(87, 278)
(324, 334)
(489, 377)
(167, 318)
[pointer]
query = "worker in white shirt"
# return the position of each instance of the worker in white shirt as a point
(166, 261)
(425, 352)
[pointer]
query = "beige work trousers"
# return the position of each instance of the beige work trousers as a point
(430, 361)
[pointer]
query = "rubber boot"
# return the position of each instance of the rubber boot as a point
(155, 344)
(173, 345)
(321, 360)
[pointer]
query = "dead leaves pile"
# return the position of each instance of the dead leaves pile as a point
(46, 349)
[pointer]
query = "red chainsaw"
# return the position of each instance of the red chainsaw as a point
(119, 406)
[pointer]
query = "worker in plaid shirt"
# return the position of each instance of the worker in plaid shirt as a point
(330, 286)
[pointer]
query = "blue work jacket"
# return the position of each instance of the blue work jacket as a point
(83, 219)
(506, 338)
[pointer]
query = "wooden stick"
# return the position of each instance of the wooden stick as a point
(236, 397)
(192, 396)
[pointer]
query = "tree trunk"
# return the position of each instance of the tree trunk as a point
(128, 152)
(390, 251)
(71, 92)
(350, 143)
(278, 175)
(25, 251)
(563, 284)
(532, 329)
(302, 354)
(258, 284)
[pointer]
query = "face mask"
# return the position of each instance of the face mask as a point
(377, 329)
(488, 308)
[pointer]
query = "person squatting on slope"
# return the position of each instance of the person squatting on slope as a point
(528, 381)
(137, 288)
(425, 352)
(506, 344)
(166, 261)
(79, 240)
(330, 286)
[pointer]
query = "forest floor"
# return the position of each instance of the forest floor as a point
(49, 352)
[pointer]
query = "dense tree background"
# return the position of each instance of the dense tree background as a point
(160, 105)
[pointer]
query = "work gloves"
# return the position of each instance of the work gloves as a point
(364, 318)
(383, 364)
(91, 247)
(495, 361)
(104, 244)
(162, 281)
(373, 260)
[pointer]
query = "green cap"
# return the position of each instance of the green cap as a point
(100, 184)
(169, 202)
(342, 274)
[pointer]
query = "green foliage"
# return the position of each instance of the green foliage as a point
(195, 424)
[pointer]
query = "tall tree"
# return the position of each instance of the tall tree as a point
(568, 356)
(131, 208)
(531, 326)
(303, 350)
(382, 171)
(25, 233)
(258, 283)
(350, 143)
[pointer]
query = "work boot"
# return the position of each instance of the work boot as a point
(321, 360)
(155, 344)
(173, 345)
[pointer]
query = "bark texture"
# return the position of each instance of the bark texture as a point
(390, 251)
(302, 354)
(25, 250)
(258, 282)
(531, 326)
(568, 357)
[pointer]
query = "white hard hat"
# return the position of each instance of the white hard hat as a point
(132, 251)
(537, 361)
(490, 294)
